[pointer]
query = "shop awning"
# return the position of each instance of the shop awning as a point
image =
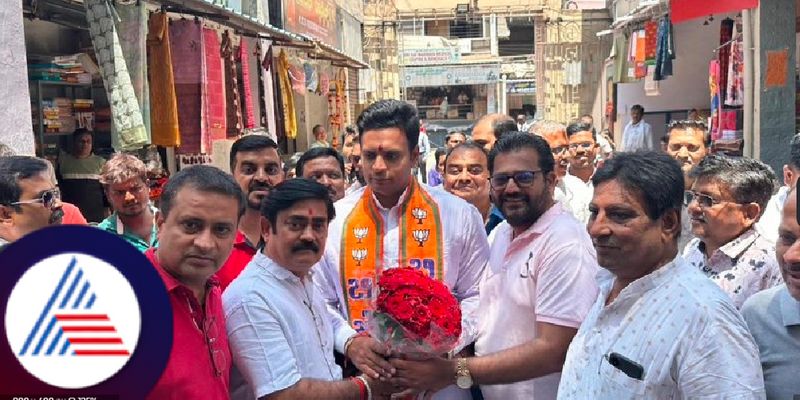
(684, 10)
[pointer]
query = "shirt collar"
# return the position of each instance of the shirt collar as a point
(737, 246)
(399, 200)
(276, 270)
(120, 227)
(649, 281)
(790, 308)
(241, 240)
(541, 224)
(170, 281)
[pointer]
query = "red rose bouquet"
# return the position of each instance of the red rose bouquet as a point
(415, 314)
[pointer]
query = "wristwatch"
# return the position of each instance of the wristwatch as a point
(463, 377)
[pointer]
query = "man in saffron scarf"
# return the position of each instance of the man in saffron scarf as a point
(396, 221)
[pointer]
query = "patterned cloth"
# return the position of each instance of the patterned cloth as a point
(214, 126)
(244, 85)
(734, 92)
(287, 97)
(741, 268)
(665, 50)
(16, 112)
(232, 100)
(651, 40)
(164, 107)
(132, 29)
(185, 40)
(126, 116)
(677, 325)
(723, 55)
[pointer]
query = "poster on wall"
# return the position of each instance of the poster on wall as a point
(315, 18)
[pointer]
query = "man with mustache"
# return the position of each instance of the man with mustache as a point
(200, 208)
(582, 157)
(281, 336)
(538, 285)
(466, 175)
(491, 128)
(124, 178)
(726, 199)
(659, 328)
(687, 143)
(326, 166)
(397, 221)
(773, 315)
(29, 198)
(256, 166)
(772, 215)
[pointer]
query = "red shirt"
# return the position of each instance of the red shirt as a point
(72, 215)
(195, 369)
(243, 251)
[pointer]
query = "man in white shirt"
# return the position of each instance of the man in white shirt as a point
(537, 288)
(280, 334)
(582, 157)
(638, 135)
(659, 328)
(396, 221)
(726, 199)
(767, 226)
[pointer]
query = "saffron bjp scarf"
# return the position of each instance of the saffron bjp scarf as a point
(361, 259)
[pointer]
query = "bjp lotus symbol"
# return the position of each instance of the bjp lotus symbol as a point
(359, 255)
(419, 214)
(360, 233)
(421, 235)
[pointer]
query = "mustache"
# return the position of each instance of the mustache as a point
(605, 243)
(56, 217)
(259, 186)
(513, 196)
(304, 245)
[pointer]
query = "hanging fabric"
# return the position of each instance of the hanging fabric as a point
(126, 115)
(214, 124)
(734, 93)
(287, 97)
(266, 89)
(651, 40)
(185, 40)
(713, 85)
(163, 107)
(132, 28)
(641, 68)
(298, 76)
(312, 82)
(665, 50)
(233, 100)
(620, 58)
(723, 54)
(248, 116)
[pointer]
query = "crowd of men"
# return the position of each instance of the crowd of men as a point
(582, 273)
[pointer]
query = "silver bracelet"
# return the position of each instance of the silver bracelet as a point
(366, 384)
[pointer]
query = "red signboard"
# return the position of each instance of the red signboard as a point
(315, 18)
(684, 10)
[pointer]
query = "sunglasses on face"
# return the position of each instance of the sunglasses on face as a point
(584, 146)
(703, 200)
(523, 179)
(48, 199)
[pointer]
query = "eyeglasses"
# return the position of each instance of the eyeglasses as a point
(48, 199)
(585, 146)
(557, 151)
(703, 200)
(522, 178)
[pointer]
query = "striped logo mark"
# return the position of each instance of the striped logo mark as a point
(70, 324)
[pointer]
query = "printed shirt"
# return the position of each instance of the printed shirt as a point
(191, 371)
(741, 268)
(465, 247)
(279, 329)
(113, 224)
(241, 254)
(545, 274)
(675, 323)
(637, 137)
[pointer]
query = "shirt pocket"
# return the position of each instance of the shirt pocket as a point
(615, 384)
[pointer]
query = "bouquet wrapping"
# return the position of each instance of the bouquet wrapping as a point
(414, 314)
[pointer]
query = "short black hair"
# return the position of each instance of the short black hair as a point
(250, 143)
(576, 127)
(203, 178)
(449, 135)
(690, 124)
(517, 141)
(318, 152)
(794, 157)
(441, 151)
(80, 132)
(638, 107)
(316, 128)
(502, 127)
(390, 114)
(655, 176)
(468, 146)
(747, 180)
(285, 194)
(14, 169)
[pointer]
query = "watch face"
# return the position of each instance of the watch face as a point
(464, 382)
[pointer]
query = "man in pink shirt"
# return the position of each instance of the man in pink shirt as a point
(536, 290)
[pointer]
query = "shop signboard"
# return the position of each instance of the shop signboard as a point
(315, 18)
(476, 74)
(521, 87)
(430, 56)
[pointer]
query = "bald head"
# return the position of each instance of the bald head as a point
(556, 136)
(491, 128)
